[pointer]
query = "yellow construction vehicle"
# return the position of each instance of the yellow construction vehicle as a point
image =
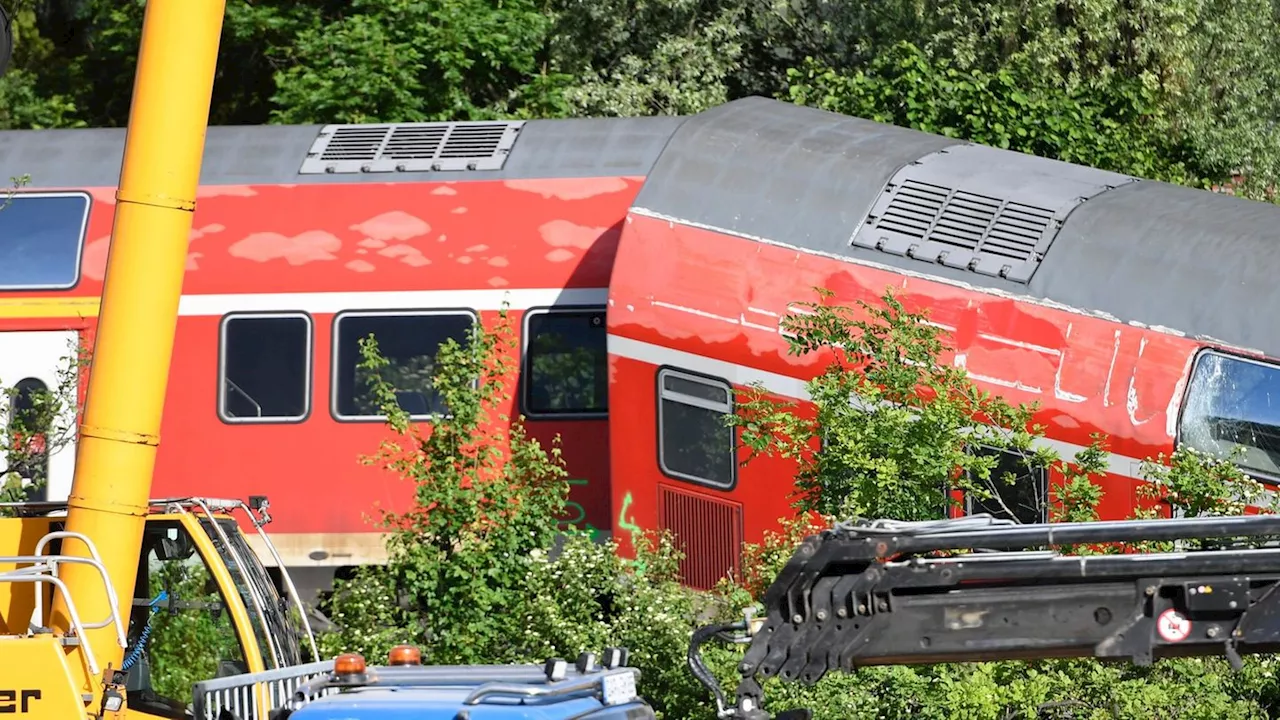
(203, 607)
(72, 644)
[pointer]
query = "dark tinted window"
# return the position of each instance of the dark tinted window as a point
(40, 239)
(410, 344)
(1233, 402)
(266, 368)
(694, 443)
(566, 363)
(1017, 492)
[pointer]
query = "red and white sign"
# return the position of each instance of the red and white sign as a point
(1173, 626)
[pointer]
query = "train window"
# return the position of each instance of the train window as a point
(566, 363)
(694, 443)
(1234, 402)
(29, 425)
(41, 238)
(266, 368)
(1025, 500)
(409, 341)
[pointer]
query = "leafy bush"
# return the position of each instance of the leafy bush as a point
(478, 570)
(1112, 121)
(916, 425)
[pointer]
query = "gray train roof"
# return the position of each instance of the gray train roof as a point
(1189, 260)
(266, 154)
(1140, 251)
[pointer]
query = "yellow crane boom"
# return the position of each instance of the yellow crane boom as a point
(119, 436)
(91, 602)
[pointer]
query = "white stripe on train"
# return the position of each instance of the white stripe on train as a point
(335, 302)
(792, 387)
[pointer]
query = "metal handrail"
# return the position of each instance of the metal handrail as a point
(39, 565)
(77, 627)
(112, 599)
(243, 694)
(58, 505)
(431, 676)
(209, 506)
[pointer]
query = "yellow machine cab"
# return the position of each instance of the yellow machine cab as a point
(203, 607)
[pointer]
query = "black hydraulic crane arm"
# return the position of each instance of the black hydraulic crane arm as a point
(978, 589)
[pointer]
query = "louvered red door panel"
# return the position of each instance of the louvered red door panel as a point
(707, 530)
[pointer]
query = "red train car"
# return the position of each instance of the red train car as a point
(1123, 306)
(307, 238)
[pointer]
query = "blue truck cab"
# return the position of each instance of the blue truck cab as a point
(346, 688)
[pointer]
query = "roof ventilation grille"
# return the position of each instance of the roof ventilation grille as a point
(412, 147)
(975, 208)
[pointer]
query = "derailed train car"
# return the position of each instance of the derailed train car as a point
(655, 256)
(1123, 306)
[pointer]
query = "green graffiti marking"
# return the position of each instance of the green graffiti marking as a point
(623, 522)
(626, 524)
(582, 512)
(579, 521)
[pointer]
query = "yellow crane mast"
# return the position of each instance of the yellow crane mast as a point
(67, 594)
(115, 457)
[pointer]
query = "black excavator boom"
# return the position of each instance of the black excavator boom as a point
(978, 589)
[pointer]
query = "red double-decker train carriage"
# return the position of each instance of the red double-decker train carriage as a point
(656, 255)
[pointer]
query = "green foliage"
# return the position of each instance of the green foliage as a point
(478, 570)
(647, 57)
(367, 609)
(1057, 689)
(482, 59)
(485, 497)
(384, 60)
(22, 105)
(23, 102)
(187, 647)
(1113, 123)
(588, 597)
(893, 427)
(1166, 65)
(1170, 89)
(1196, 485)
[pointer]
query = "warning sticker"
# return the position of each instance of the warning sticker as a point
(1173, 626)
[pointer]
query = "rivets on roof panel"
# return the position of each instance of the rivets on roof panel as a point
(412, 147)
